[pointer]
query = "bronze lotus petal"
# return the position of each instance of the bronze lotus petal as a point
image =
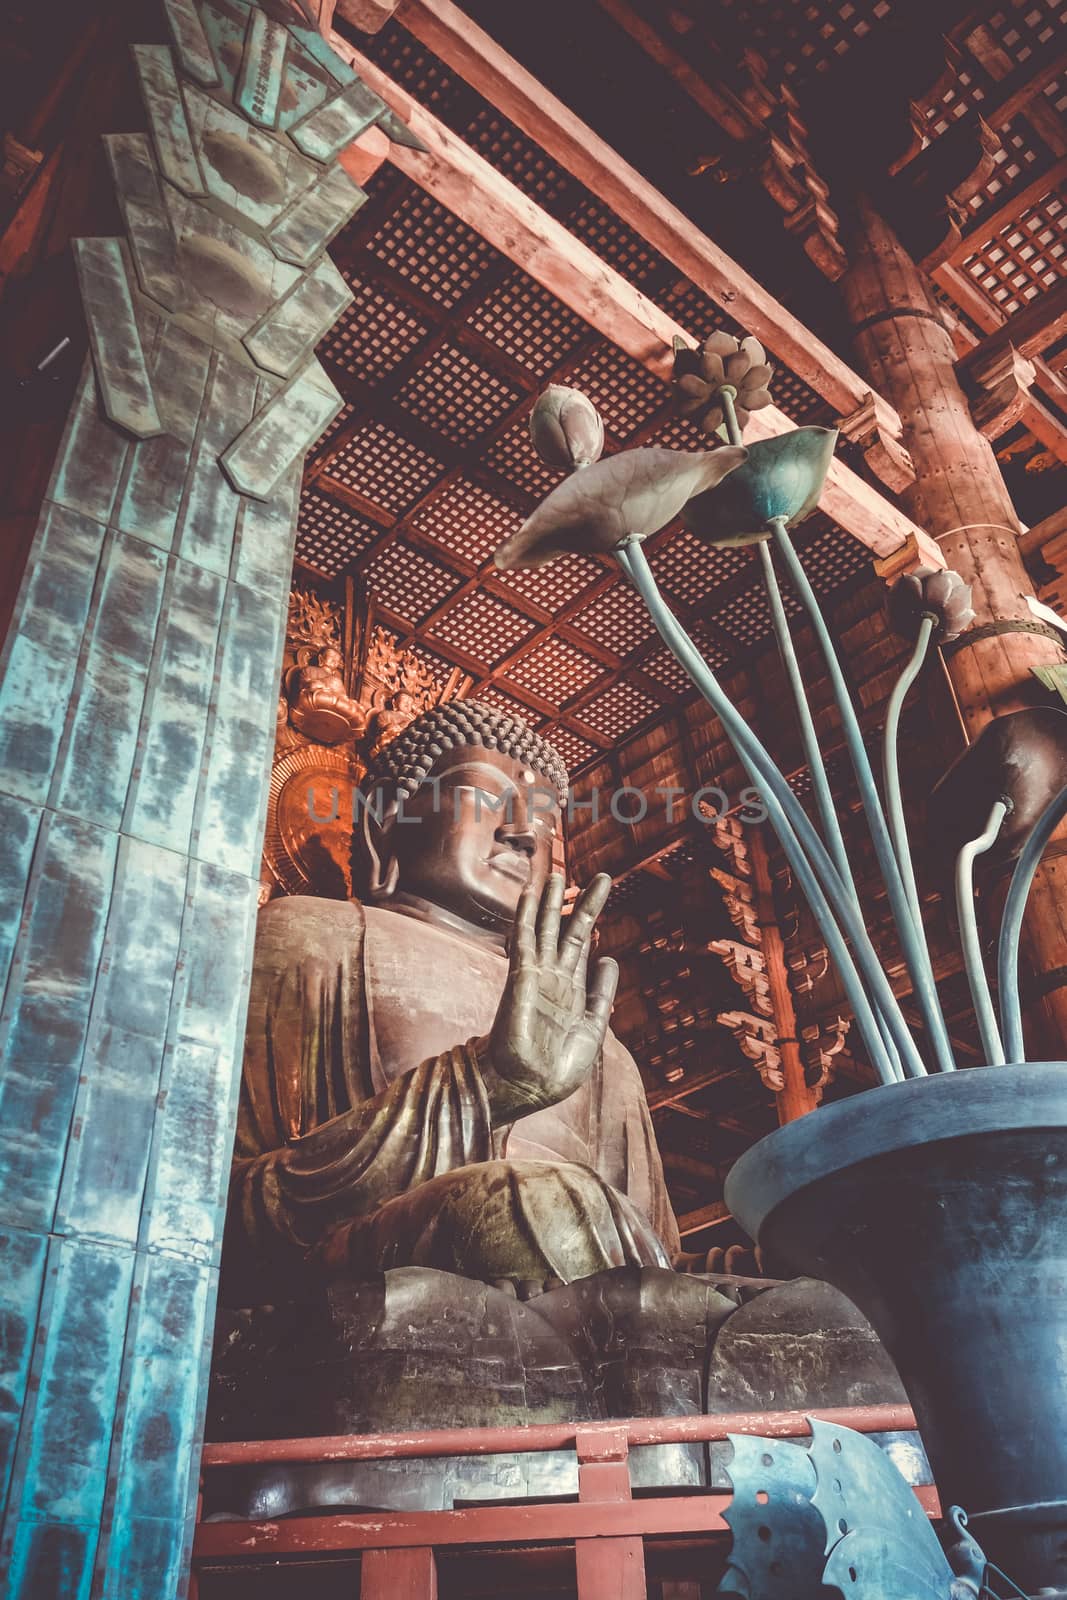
(753, 350)
(711, 367)
(1020, 757)
(736, 367)
(931, 591)
(721, 344)
(566, 428)
(783, 477)
(635, 492)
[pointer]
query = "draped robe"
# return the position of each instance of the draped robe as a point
(365, 1138)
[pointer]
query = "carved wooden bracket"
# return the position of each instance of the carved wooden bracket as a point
(808, 967)
(876, 428)
(918, 550)
(748, 968)
(1000, 382)
(729, 836)
(820, 1046)
(739, 901)
(758, 1043)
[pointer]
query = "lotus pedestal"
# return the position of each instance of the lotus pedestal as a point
(939, 1206)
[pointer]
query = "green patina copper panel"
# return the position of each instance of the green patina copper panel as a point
(259, 84)
(282, 431)
(118, 357)
(304, 231)
(327, 131)
(190, 41)
(286, 336)
(159, 468)
(148, 225)
(166, 115)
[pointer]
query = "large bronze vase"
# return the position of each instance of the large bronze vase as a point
(939, 1206)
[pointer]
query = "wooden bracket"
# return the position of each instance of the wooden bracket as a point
(1000, 382)
(875, 427)
(757, 1039)
(820, 1046)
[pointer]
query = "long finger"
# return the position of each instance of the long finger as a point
(601, 994)
(590, 903)
(548, 917)
(524, 932)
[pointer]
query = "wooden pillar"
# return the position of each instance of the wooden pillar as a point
(398, 1574)
(607, 1568)
(138, 693)
(796, 1097)
(960, 497)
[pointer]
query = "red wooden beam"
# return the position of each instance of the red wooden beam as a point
(540, 1436)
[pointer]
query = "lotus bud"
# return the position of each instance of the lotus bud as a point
(566, 428)
(931, 591)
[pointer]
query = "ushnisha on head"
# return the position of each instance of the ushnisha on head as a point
(457, 815)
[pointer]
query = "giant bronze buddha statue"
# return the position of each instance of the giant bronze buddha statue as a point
(447, 1204)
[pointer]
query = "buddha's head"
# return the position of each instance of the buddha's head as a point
(457, 815)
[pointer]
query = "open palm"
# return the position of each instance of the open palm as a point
(553, 1015)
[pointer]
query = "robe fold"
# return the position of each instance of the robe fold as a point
(364, 1134)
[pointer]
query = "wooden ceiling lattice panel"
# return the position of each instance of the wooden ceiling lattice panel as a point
(374, 335)
(408, 582)
(615, 242)
(690, 570)
(624, 392)
(555, 671)
(329, 537)
(528, 324)
(747, 616)
(1025, 31)
(617, 620)
(1026, 257)
(618, 710)
(576, 752)
(467, 521)
(483, 627)
(385, 467)
(456, 396)
(513, 457)
(438, 254)
(554, 586)
(804, 38)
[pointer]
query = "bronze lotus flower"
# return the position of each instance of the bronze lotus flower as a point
(635, 492)
(1020, 757)
(931, 592)
(566, 428)
(722, 361)
(782, 478)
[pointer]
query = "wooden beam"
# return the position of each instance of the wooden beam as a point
(691, 1085)
(704, 1217)
(468, 50)
(460, 179)
(1039, 323)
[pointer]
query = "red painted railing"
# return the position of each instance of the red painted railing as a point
(606, 1527)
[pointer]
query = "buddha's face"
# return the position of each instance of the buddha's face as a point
(472, 838)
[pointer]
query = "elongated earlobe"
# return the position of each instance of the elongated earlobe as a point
(382, 868)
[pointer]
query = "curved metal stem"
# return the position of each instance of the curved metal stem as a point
(1011, 1021)
(912, 939)
(820, 782)
(894, 801)
(973, 964)
(793, 826)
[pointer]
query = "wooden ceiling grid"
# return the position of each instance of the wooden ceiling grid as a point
(430, 465)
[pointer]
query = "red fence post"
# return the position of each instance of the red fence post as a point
(607, 1569)
(398, 1574)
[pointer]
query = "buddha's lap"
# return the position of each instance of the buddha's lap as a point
(499, 1219)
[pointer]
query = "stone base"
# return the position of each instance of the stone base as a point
(417, 1349)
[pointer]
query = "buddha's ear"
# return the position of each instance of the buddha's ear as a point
(374, 834)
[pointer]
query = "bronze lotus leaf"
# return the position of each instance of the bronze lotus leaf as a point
(635, 492)
(700, 375)
(566, 428)
(930, 591)
(1020, 757)
(783, 477)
